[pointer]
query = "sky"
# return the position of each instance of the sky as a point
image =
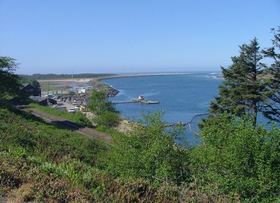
(94, 36)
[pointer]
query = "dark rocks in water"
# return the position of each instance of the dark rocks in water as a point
(111, 92)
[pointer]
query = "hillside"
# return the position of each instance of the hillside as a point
(41, 162)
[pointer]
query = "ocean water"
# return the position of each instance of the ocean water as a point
(181, 97)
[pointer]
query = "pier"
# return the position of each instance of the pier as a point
(134, 101)
(139, 99)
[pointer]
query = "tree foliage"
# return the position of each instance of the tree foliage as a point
(271, 107)
(246, 85)
(105, 113)
(236, 160)
(9, 82)
(148, 152)
(107, 119)
(99, 103)
(239, 159)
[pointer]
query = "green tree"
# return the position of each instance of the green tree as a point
(148, 152)
(106, 115)
(9, 82)
(99, 103)
(238, 158)
(244, 89)
(271, 107)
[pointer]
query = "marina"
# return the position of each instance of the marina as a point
(139, 99)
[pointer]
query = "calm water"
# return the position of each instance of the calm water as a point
(181, 96)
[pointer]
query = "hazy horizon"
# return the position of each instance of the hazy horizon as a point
(131, 36)
(132, 73)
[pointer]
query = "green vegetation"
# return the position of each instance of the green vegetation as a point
(248, 86)
(105, 114)
(20, 129)
(42, 156)
(9, 82)
(99, 103)
(106, 120)
(42, 163)
(148, 152)
(271, 109)
(76, 117)
(236, 161)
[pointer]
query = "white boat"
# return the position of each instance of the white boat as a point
(149, 102)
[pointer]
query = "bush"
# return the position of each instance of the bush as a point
(99, 104)
(108, 119)
(239, 159)
(106, 115)
(148, 152)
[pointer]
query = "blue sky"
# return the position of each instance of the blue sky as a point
(67, 36)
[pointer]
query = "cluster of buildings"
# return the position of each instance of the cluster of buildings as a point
(71, 101)
(71, 97)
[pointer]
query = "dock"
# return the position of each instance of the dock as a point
(140, 100)
(134, 101)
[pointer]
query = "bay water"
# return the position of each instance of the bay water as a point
(181, 97)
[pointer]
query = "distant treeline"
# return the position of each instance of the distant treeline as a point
(64, 76)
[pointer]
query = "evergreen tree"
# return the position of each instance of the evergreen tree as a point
(244, 88)
(271, 107)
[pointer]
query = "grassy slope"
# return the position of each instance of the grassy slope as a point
(77, 117)
(40, 162)
(31, 147)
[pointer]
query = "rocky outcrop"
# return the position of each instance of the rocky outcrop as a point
(111, 92)
(99, 85)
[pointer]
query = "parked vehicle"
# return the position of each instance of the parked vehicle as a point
(71, 110)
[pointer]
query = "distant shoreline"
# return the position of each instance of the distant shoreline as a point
(99, 81)
(140, 75)
(112, 76)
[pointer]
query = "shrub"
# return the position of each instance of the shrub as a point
(99, 104)
(107, 119)
(41, 163)
(148, 152)
(106, 115)
(239, 159)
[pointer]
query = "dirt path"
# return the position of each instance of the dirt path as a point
(89, 132)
